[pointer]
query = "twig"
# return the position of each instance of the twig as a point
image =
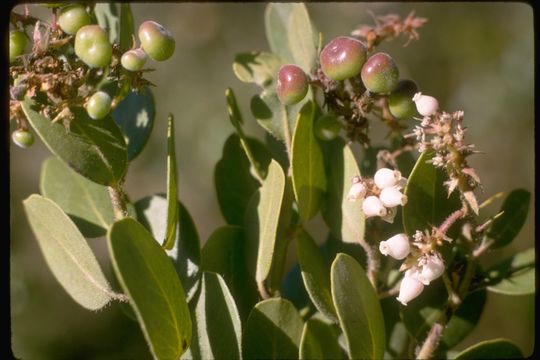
(372, 263)
(433, 339)
(117, 201)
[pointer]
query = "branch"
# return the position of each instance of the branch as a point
(117, 201)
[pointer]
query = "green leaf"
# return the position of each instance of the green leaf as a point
(172, 197)
(217, 331)
(135, 116)
(147, 275)
(262, 220)
(506, 227)
(491, 349)
(126, 27)
(291, 35)
(272, 331)
(345, 218)
(94, 149)
(223, 253)
(514, 276)
(117, 19)
(67, 254)
(88, 204)
(308, 176)
(186, 254)
(233, 178)
(315, 274)
(259, 68)
(358, 309)
(428, 204)
(319, 340)
(276, 118)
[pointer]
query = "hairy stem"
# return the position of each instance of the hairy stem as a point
(117, 201)
(372, 262)
(450, 220)
(433, 339)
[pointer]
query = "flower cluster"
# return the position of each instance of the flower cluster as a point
(443, 133)
(381, 195)
(422, 264)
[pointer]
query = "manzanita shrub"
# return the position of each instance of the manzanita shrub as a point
(399, 275)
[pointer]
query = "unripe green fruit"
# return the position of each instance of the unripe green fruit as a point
(342, 58)
(292, 84)
(134, 60)
(156, 41)
(72, 18)
(400, 101)
(17, 44)
(92, 46)
(327, 127)
(22, 138)
(380, 73)
(99, 105)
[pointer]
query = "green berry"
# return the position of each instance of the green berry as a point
(134, 60)
(92, 46)
(400, 101)
(156, 41)
(327, 127)
(342, 58)
(380, 73)
(72, 18)
(292, 84)
(99, 105)
(22, 138)
(17, 44)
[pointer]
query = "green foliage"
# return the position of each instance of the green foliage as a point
(320, 340)
(94, 149)
(491, 349)
(154, 289)
(514, 213)
(514, 276)
(172, 197)
(358, 309)
(67, 254)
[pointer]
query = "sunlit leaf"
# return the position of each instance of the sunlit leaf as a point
(506, 227)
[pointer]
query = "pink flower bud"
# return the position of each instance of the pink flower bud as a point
(410, 288)
(372, 206)
(391, 197)
(426, 105)
(397, 247)
(386, 177)
(431, 269)
(357, 191)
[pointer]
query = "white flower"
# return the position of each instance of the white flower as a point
(397, 246)
(432, 268)
(386, 177)
(372, 206)
(357, 190)
(410, 287)
(391, 197)
(426, 105)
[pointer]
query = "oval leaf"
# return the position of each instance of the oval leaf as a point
(303, 37)
(272, 331)
(94, 149)
(233, 178)
(223, 253)
(259, 68)
(506, 227)
(148, 277)
(491, 349)
(172, 197)
(428, 203)
(514, 276)
(185, 254)
(67, 254)
(315, 275)
(261, 224)
(87, 203)
(135, 116)
(319, 341)
(358, 309)
(276, 21)
(309, 179)
(345, 218)
(216, 324)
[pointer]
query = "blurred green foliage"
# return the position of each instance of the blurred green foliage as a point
(478, 57)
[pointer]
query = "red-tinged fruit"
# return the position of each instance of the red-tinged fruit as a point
(342, 58)
(380, 73)
(292, 84)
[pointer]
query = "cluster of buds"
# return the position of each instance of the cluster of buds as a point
(381, 195)
(443, 133)
(422, 263)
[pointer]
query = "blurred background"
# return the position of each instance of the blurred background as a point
(478, 57)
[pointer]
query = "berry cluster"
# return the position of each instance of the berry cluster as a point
(69, 60)
(381, 195)
(354, 84)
